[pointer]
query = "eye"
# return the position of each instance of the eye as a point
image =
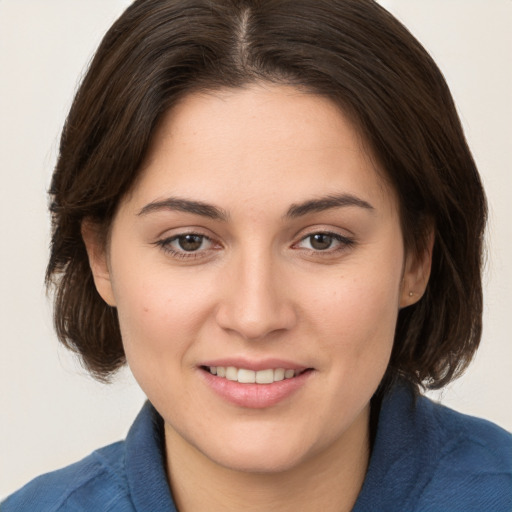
(186, 245)
(189, 243)
(325, 241)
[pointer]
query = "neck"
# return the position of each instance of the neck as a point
(327, 481)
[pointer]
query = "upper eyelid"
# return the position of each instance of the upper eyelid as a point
(183, 230)
(172, 238)
(174, 233)
(320, 227)
(339, 233)
(187, 233)
(324, 232)
(337, 236)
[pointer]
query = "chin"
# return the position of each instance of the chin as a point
(260, 463)
(269, 453)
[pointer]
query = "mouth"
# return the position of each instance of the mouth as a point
(246, 376)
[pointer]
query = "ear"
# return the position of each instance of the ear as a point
(416, 272)
(96, 247)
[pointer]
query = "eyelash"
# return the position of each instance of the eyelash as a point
(165, 244)
(344, 243)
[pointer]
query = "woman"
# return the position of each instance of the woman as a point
(269, 211)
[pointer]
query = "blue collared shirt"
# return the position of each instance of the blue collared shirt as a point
(425, 458)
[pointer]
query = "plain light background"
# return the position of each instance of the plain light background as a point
(52, 413)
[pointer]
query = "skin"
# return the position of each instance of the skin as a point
(256, 288)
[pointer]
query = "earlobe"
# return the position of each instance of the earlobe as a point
(416, 273)
(97, 253)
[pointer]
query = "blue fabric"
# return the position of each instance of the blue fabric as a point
(426, 458)
(430, 458)
(127, 476)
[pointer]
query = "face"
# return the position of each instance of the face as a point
(258, 268)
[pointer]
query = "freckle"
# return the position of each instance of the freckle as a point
(146, 310)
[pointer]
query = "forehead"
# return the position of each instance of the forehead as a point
(264, 141)
(259, 116)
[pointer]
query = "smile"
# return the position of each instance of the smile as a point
(264, 385)
(245, 376)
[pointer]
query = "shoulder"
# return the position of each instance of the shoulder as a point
(122, 477)
(465, 443)
(474, 461)
(97, 483)
(430, 458)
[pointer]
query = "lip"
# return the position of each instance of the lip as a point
(262, 364)
(254, 396)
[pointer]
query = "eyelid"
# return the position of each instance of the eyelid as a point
(321, 227)
(164, 243)
(344, 241)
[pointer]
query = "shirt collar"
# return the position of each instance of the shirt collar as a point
(402, 451)
(145, 463)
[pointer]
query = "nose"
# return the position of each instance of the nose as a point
(256, 301)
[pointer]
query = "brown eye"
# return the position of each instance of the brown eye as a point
(190, 243)
(321, 241)
(325, 242)
(187, 245)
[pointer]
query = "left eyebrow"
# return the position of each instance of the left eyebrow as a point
(326, 203)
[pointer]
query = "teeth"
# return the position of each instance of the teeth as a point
(279, 374)
(245, 376)
(265, 376)
(231, 373)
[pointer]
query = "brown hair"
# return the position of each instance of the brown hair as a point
(351, 51)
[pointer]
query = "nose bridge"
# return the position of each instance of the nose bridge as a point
(256, 303)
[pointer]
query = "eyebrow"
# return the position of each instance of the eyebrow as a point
(326, 203)
(187, 206)
(295, 210)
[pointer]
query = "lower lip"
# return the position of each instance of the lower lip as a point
(255, 396)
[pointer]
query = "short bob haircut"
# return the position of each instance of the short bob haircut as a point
(350, 51)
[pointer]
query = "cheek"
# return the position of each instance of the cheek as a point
(357, 312)
(158, 315)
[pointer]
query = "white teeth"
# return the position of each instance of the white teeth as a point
(288, 374)
(265, 376)
(245, 376)
(278, 374)
(231, 373)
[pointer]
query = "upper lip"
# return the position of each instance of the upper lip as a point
(255, 365)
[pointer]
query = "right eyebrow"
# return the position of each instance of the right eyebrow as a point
(187, 206)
